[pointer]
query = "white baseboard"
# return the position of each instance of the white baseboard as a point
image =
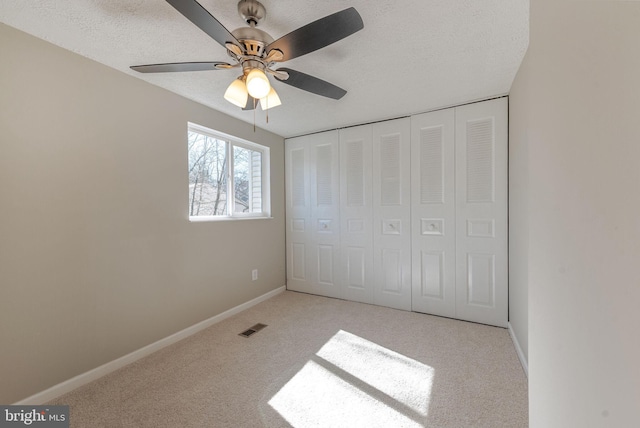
(84, 378)
(523, 360)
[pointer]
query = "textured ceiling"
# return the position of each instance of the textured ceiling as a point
(412, 55)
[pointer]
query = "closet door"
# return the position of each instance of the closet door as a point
(392, 214)
(356, 213)
(313, 225)
(433, 213)
(481, 212)
(298, 215)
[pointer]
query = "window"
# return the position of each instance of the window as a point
(228, 177)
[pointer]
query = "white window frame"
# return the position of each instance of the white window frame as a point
(232, 142)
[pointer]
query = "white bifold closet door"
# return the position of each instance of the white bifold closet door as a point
(433, 213)
(392, 213)
(481, 212)
(313, 225)
(459, 212)
(407, 213)
(356, 213)
(375, 213)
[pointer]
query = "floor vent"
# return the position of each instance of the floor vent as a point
(256, 328)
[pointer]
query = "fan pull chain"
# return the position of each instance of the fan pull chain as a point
(254, 115)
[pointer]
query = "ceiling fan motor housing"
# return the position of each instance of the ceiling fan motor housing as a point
(253, 39)
(252, 11)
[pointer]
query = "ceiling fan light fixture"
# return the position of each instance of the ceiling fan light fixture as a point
(257, 84)
(271, 100)
(237, 93)
(256, 52)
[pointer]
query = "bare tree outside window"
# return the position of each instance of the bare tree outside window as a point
(207, 175)
(225, 179)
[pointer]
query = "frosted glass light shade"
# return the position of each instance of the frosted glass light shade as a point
(271, 100)
(257, 84)
(237, 93)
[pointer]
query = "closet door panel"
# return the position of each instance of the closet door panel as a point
(325, 220)
(298, 215)
(313, 223)
(433, 212)
(356, 209)
(392, 214)
(481, 211)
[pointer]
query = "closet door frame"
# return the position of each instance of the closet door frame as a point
(361, 224)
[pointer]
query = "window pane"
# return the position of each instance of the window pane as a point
(207, 175)
(226, 177)
(247, 180)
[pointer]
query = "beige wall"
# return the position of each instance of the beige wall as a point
(579, 98)
(518, 210)
(97, 257)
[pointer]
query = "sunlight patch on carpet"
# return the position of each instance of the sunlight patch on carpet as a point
(403, 379)
(354, 382)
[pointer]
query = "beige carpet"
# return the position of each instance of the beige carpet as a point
(320, 363)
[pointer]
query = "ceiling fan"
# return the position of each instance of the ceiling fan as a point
(256, 52)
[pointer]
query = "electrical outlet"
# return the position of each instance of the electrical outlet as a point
(254, 274)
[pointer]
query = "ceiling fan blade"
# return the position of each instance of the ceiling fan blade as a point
(177, 66)
(197, 14)
(318, 34)
(251, 103)
(312, 84)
